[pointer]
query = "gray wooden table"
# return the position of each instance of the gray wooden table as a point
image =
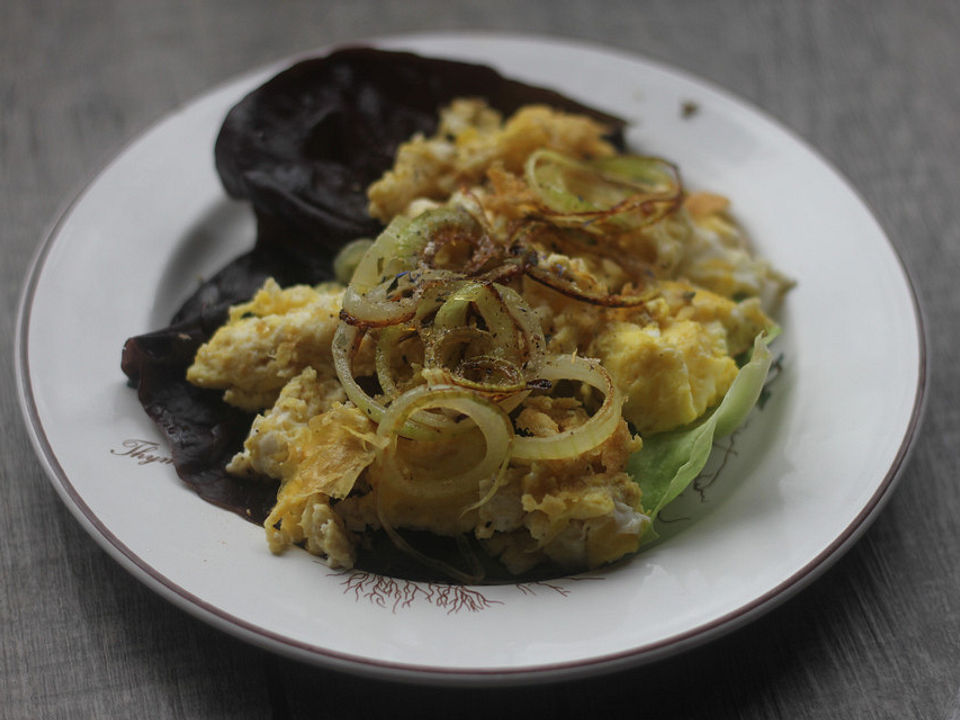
(872, 85)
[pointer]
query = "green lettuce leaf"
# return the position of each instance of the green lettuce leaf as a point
(667, 463)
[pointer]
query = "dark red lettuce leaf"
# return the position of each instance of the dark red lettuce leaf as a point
(302, 149)
(204, 433)
(304, 146)
(202, 430)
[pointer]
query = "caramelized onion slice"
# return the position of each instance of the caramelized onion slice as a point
(545, 275)
(502, 357)
(386, 286)
(620, 193)
(348, 258)
(388, 342)
(492, 422)
(425, 426)
(527, 323)
(373, 296)
(575, 441)
(460, 493)
(536, 242)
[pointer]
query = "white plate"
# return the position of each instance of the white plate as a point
(805, 478)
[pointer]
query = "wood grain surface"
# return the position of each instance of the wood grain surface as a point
(872, 85)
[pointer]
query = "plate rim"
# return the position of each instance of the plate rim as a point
(391, 670)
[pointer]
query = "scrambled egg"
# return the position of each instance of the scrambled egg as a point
(333, 449)
(579, 513)
(266, 343)
(471, 138)
(672, 358)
